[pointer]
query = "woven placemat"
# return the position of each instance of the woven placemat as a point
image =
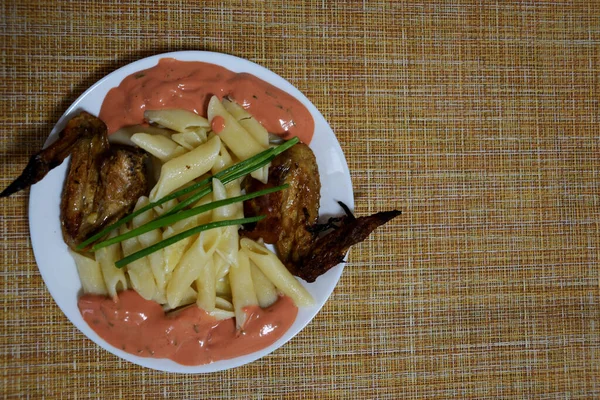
(479, 121)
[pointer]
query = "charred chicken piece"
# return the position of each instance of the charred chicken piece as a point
(103, 182)
(329, 250)
(291, 212)
(78, 201)
(100, 189)
(83, 125)
(291, 223)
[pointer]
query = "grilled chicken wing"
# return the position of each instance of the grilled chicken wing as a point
(329, 250)
(291, 212)
(103, 182)
(100, 189)
(82, 126)
(291, 223)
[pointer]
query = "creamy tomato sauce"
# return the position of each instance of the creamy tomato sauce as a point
(190, 85)
(188, 337)
(217, 124)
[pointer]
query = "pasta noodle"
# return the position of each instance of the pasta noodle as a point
(114, 278)
(180, 170)
(248, 122)
(223, 160)
(177, 119)
(221, 265)
(206, 284)
(266, 292)
(276, 272)
(223, 287)
(224, 304)
(190, 139)
(159, 146)
(155, 259)
(189, 297)
(165, 207)
(234, 189)
(255, 129)
(174, 252)
(242, 290)
(224, 309)
(125, 134)
(89, 274)
(222, 314)
(197, 257)
(237, 139)
(128, 131)
(229, 245)
(139, 271)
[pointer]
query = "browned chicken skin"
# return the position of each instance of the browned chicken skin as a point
(79, 192)
(41, 163)
(330, 249)
(103, 182)
(291, 212)
(291, 222)
(99, 190)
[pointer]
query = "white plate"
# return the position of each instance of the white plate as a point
(58, 268)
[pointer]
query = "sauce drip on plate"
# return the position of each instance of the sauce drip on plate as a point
(189, 336)
(190, 85)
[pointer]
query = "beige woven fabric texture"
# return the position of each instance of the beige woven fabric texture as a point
(479, 120)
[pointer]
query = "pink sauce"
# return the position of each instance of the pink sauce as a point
(189, 85)
(189, 337)
(217, 124)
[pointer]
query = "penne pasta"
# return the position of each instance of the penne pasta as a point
(176, 119)
(190, 139)
(139, 271)
(233, 189)
(189, 268)
(165, 207)
(189, 297)
(124, 135)
(242, 289)
(261, 174)
(174, 252)
(159, 146)
(220, 193)
(221, 265)
(155, 259)
(229, 245)
(223, 160)
(248, 122)
(256, 131)
(223, 287)
(228, 248)
(219, 314)
(276, 272)
(128, 131)
(206, 285)
(266, 293)
(180, 170)
(114, 278)
(237, 139)
(224, 304)
(89, 274)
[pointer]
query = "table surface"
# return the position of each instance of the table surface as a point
(479, 120)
